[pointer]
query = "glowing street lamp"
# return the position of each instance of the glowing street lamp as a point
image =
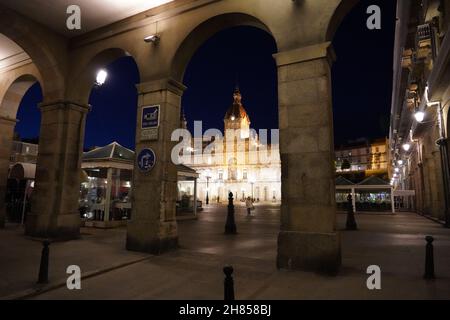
(420, 116)
(400, 162)
(397, 170)
(406, 147)
(101, 77)
(154, 38)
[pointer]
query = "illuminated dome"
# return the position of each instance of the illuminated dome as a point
(237, 111)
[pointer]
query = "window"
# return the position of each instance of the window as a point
(220, 175)
(244, 174)
(232, 170)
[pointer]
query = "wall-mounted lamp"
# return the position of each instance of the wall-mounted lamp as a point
(154, 38)
(420, 116)
(406, 147)
(101, 77)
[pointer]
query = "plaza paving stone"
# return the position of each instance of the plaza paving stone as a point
(393, 242)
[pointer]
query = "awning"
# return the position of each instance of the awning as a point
(186, 172)
(371, 184)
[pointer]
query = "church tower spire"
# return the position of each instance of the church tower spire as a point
(183, 121)
(236, 117)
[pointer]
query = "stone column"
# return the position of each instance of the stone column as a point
(308, 239)
(6, 136)
(54, 209)
(153, 226)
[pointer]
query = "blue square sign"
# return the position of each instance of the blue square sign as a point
(150, 117)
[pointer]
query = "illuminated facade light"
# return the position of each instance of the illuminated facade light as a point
(406, 147)
(152, 39)
(420, 116)
(101, 77)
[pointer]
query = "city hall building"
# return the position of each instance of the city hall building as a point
(236, 172)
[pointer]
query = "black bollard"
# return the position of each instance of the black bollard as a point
(351, 222)
(43, 268)
(228, 284)
(429, 259)
(230, 226)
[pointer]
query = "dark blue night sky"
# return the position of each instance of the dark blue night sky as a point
(243, 55)
(362, 74)
(226, 60)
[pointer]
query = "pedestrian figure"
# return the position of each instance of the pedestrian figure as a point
(249, 206)
(351, 222)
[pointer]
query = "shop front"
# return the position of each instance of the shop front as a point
(105, 197)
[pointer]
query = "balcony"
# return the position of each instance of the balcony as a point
(424, 41)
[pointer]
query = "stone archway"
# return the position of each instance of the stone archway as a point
(46, 50)
(341, 11)
(205, 31)
(16, 87)
(302, 31)
(55, 207)
(153, 227)
(308, 237)
(47, 54)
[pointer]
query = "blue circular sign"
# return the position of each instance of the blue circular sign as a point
(146, 160)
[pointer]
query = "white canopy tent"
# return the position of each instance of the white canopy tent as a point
(371, 183)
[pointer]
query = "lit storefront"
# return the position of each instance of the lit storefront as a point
(187, 192)
(371, 195)
(105, 196)
(105, 193)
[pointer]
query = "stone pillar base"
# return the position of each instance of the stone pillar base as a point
(141, 239)
(66, 226)
(318, 252)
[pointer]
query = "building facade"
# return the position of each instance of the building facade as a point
(363, 156)
(420, 104)
(24, 152)
(236, 165)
